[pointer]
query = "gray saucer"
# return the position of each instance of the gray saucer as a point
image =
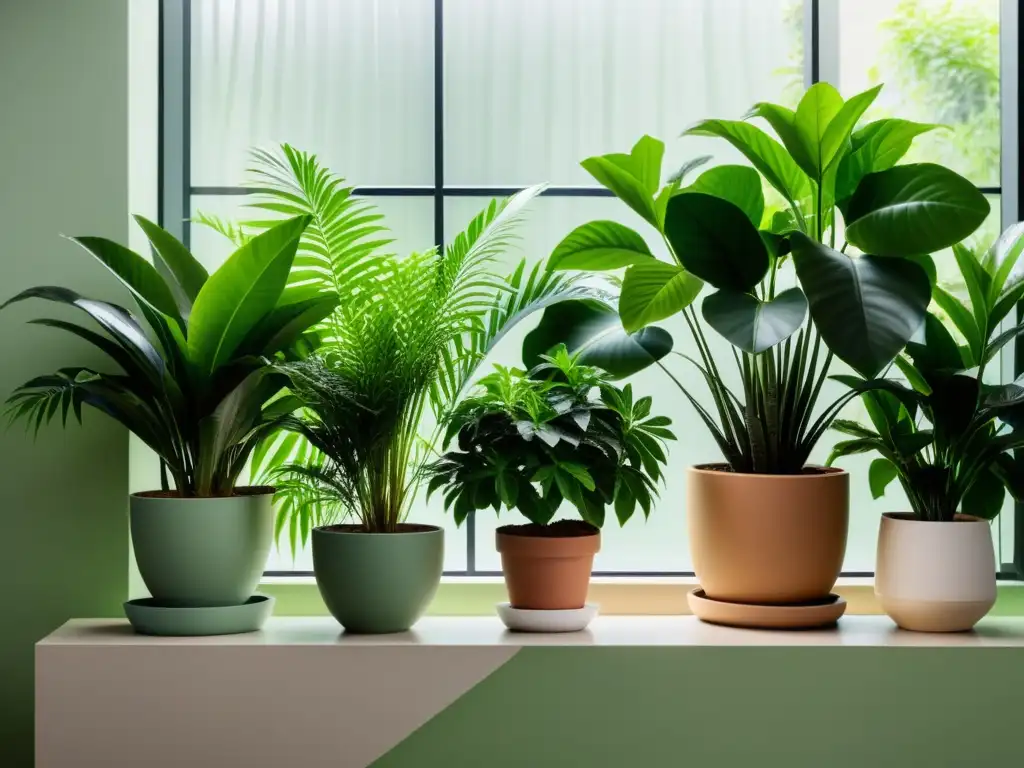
(149, 617)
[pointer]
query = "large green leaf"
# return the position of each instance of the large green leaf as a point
(739, 184)
(634, 178)
(177, 266)
(239, 294)
(599, 245)
(654, 290)
(820, 103)
(866, 307)
(875, 147)
(137, 274)
(281, 327)
(841, 126)
(593, 329)
(910, 209)
(754, 325)
(716, 241)
(783, 122)
(764, 153)
(880, 474)
(984, 498)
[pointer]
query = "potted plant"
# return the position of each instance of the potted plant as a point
(766, 527)
(200, 396)
(531, 441)
(948, 438)
(408, 335)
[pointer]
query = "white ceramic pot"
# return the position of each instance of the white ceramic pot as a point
(935, 577)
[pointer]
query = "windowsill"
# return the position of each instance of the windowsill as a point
(617, 596)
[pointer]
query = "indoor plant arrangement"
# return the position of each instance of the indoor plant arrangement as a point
(408, 335)
(948, 437)
(767, 529)
(530, 441)
(201, 397)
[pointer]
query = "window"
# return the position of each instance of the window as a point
(432, 107)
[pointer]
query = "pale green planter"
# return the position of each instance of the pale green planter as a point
(376, 583)
(204, 551)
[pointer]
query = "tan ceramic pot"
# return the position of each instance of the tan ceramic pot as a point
(547, 572)
(767, 539)
(935, 577)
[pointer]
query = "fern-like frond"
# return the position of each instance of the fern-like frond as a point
(229, 229)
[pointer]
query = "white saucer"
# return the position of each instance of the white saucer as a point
(525, 620)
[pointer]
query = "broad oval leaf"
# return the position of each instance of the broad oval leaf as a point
(875, 147)
(241, 293)
(654, 290)
(634, 178)
(599, 245)
(754, 325)
(716, 241)
(593, 329)
(866, 308)
(918, 208)
(739, 184)
(880, 474)
(763, 152)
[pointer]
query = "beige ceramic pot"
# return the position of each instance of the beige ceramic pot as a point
(935, 577)
(767, 539)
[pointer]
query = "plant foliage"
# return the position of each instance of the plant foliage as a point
(948, 437)
(203, 393)
(531, 441)
(719, 231)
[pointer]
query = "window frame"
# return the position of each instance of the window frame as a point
(821, 32)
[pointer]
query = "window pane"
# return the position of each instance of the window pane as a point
(534, 86)
(939, 60)
(352, 81)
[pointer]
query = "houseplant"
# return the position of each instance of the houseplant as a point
(766, 528)
(531, 441)
(947, 437)
(408, 335)
(201, 396)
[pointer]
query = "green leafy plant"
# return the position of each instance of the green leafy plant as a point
(835, 179)
(947, 436)
(530, 441)
(408, 332)
(203, 394)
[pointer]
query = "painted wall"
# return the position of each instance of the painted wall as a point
(63, 170)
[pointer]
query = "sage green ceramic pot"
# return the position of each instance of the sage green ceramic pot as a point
(374, 583)
(205, 551)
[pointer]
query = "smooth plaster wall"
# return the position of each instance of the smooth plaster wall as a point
(63, 170)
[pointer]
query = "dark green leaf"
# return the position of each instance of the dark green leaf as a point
(716, 241)
(753, 325)
(866, 307)
(739, 184)
(984, 497)
(909, 209)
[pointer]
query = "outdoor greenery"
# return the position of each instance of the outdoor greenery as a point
(530, 441)
(203, 394)
(408, 331)
(948, 437)
(838, 181)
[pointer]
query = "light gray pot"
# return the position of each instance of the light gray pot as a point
(203, 551)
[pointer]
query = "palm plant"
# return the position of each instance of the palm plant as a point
(946, 435)
(203, 393)
(718, 230)
(407, 332)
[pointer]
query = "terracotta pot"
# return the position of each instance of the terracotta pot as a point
(935, 577)
(547, 572)
(767, 539)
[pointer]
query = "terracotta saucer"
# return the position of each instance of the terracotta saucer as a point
(821, 613)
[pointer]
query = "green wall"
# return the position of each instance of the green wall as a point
(64, 170)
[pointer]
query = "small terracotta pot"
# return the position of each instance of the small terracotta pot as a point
(767, 539)
(547, 572)
(935, 577)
